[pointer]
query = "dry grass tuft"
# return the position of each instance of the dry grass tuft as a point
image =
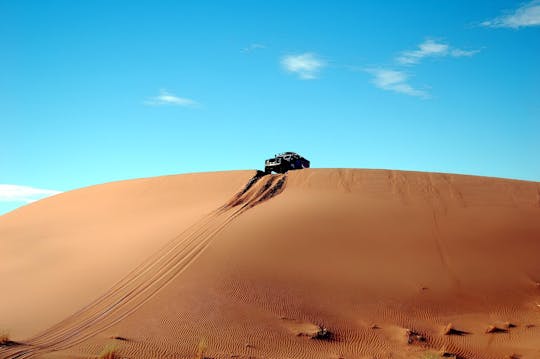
(493, 329)
(109, 352)
(431, 355)
(201, 349)
(448, 329)
(451, 330)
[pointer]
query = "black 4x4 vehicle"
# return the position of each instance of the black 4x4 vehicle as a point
(283, 162)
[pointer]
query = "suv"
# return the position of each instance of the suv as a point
(283, 162)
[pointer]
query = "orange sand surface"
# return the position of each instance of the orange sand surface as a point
(317, 263)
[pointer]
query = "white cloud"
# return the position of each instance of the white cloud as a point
(15, 193)
(392, 80)
(463, 53)
(253, 47)
(526, 15)
(306, 66)
(426, 49)
(432, 48)
(167, 98)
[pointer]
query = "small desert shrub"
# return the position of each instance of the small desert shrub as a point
(4, 338)
(443, 353)
(438, 354)
(449, 355)
(118, 337)
(322, 333)
(109, 352)
(414, 337)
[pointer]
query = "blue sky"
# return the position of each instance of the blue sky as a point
(98, 91)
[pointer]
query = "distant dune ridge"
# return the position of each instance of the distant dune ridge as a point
(317, 263)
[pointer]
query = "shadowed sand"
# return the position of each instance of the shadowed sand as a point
(318, 263)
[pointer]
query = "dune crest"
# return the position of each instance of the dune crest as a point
(264, 264)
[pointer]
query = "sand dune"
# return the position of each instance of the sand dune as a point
(318, 263)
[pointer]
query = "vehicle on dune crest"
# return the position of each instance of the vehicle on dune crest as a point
(284, 162)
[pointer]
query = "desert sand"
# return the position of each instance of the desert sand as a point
(317, 263)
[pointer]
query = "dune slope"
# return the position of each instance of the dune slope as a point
(312, 264)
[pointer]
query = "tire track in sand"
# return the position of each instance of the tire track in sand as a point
(142, 283)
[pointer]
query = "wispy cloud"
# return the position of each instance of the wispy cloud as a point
(432, 48)
(16, 193)
(526, 15)
(392, 80)
(167, 98)
(253, 47)
(306, 66)
(463, 53)
(429, 48)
